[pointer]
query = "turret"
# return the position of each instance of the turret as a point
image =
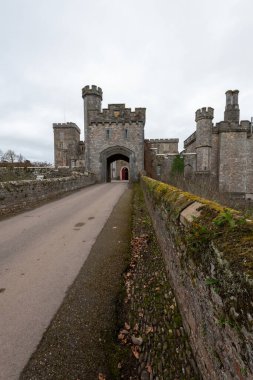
(232, 111)
(92, 98)
(203, 118)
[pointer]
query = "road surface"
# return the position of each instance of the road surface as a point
(41, 253)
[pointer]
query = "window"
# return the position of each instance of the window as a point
(108, 133)
(126, 133)
(158, 170)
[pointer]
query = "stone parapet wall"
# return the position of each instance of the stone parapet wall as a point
(13, 173)
(16, 196)
(208, 255)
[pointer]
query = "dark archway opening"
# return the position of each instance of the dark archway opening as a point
(124, 174)
(111, 166)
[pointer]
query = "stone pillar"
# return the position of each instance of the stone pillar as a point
(203, 119)
(232, 111)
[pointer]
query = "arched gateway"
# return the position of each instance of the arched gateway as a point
(114, 138)
(112, 134)
(115, 153)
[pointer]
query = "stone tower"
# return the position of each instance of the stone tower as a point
(92, 102)
(203, 118)
(232, 111)
(112, 134)
(68, 149)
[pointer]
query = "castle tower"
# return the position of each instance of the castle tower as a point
(204, 117)
(232, 111)
(92, 100)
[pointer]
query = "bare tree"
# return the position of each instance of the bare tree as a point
(21, 158)
(10, 156)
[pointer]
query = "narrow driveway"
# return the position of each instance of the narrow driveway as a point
(41, 253)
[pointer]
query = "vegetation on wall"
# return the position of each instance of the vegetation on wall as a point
(178, 165)
(213, 255)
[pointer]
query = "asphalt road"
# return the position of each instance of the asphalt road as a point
(41, 253)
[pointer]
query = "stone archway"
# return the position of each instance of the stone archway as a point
(115, 153)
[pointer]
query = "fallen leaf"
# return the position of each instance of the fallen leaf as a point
(137, 341)
(127, 327)
(101, 376)
(121, 336)
(135, 352)
(149, 329)
(149, 368)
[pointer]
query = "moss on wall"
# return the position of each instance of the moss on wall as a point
(210, 259)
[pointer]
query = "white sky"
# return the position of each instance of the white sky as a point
(170, 56)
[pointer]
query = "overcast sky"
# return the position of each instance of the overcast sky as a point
(170, 56)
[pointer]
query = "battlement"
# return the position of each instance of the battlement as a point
(116, 106)
(92, 90)
(227, 126)
(204, 113)
(118, 114)
(190, 140)
(162, 140)
(66, 125)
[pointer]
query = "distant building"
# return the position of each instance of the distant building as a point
(223, 151)
(114, 140)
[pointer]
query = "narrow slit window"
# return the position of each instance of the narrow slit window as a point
(126, 133)
(108, 134)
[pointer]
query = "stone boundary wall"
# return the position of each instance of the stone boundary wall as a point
(13, 173)
(208, 252)
(16, 196)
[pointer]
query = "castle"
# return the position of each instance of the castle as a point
(115, 147)
(223, 151)
(114, 140)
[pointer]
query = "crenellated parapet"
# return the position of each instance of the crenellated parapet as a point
(117, 114)
(232, 111)
(92, 90)
(190, 140)
(204, 113)
(162, 140)
(66, 125)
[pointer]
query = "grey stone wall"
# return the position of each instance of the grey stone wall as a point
(203, 119)
(16, 196)
(233, 161)
(67, 147)
(215, 154)
(163, 146)
(224, 151)
(105, 136)
(211, 279)
(249, 165)
(115, 133)
(159, 156)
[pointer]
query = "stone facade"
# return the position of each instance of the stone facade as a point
(112, 134)
(159, 157)
(222, 151)
(114, 146)
(68, 149)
